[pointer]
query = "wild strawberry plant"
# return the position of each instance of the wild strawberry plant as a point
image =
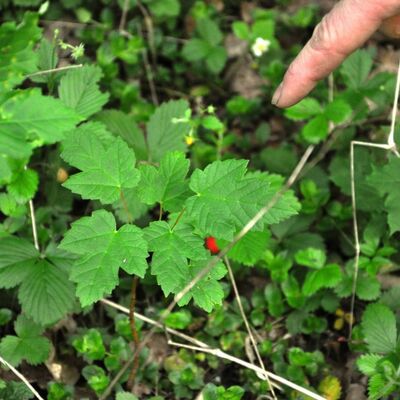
(101, 189)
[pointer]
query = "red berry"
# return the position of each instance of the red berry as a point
(211, 244)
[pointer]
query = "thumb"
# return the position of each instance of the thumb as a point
(343, 30)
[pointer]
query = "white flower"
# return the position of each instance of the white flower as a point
(260, 46)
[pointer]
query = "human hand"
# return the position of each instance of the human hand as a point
(342, 31)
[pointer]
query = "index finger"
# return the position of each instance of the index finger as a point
(343, 30)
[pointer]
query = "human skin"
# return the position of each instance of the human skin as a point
(346, 28)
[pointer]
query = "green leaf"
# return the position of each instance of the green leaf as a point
(165, 8)
(125, 126)
(196, 49)
(338, 111)
(368, 287)
(23, 185)
(17, 257)
(207, 293)
(307, 108)
(47, 60)
(15, 391)
(163, 135)
(379, 328)
(379, 387)
(79, 90)
(91, 345)
(171, 250)
(103, 250)
(316, 130)
(311, 257)
(106, 170)
(356, 68)
(17, 56)
(292, 292)
(216, 59)
(27, 345)
(227, 198)
(167, 184)
(32, 116)
(368, 363)
(386, 180)
(209, 31)
(126, 396)
(327, 277)
(274, 299)
(250, 248)
(241, 30)
(46, 294)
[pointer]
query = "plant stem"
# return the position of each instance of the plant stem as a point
(178, 219)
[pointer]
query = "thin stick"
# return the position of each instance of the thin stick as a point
(49, 71)
(203, 347)
(34, 228)
(221, 354)
(122, 21)
(20, 376)
(246, 322)
(154, 323)
(391, 141)
(389, 146)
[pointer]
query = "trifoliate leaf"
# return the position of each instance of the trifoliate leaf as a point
(327, 277)
(103, 250)
(171, 250)
(32, 116)
(17, 56)
(17, 257)
(379, 328)
(250, 248)
(386, 180)
(124, 125)
(368, 363)
(165, 130)
(167, 184)
(27, 345)
(46, 294)
(227, 198)
(207, 293)
(79, 90)
(106, 170)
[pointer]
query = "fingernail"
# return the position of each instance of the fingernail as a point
(277, 95)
